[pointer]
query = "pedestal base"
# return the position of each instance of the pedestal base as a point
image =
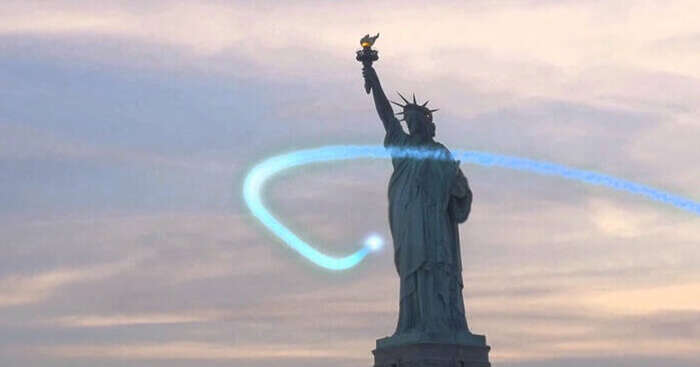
(414, 351)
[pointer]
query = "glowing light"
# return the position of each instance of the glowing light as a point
(258, 175)
(374, 242)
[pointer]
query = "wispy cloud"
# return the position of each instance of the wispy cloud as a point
(198, 351)
(135, 319)
(16, 290)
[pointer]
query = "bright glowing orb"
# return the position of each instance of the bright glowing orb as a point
(374, 242)
(258, 175)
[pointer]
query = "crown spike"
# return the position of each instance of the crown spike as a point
(398, 104)
(426, 102)
(414, 98)
(402, 97)
(437, 109)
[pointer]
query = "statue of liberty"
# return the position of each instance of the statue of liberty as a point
(428, 198)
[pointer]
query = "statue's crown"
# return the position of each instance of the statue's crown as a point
(415, 106)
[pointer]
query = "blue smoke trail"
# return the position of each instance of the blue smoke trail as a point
(258, 175)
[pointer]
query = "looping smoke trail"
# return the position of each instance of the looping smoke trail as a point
(258, 175)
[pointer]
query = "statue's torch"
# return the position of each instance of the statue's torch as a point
(367, 55)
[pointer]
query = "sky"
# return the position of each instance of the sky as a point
(127, 128)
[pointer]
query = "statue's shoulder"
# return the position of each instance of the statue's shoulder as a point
(439, 146)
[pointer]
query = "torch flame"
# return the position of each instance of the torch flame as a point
(367, 41)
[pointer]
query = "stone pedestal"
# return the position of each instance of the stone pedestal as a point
(462, 350)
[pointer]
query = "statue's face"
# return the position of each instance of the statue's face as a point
(417, 121)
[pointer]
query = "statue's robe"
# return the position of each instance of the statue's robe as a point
(428, 198)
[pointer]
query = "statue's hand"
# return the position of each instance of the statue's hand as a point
(460, 184)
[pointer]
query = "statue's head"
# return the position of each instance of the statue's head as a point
(418, 117)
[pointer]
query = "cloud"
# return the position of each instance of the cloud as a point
(22, 142)
(622, 222)
(624, 361)
(197, 351)
(646, 300)
(17, 290)
(563, 37)
(134, 319)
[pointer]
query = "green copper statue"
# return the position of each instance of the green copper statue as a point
(427, 200)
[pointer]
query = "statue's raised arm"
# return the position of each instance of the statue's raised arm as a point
(367, 56)
(381, 102)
